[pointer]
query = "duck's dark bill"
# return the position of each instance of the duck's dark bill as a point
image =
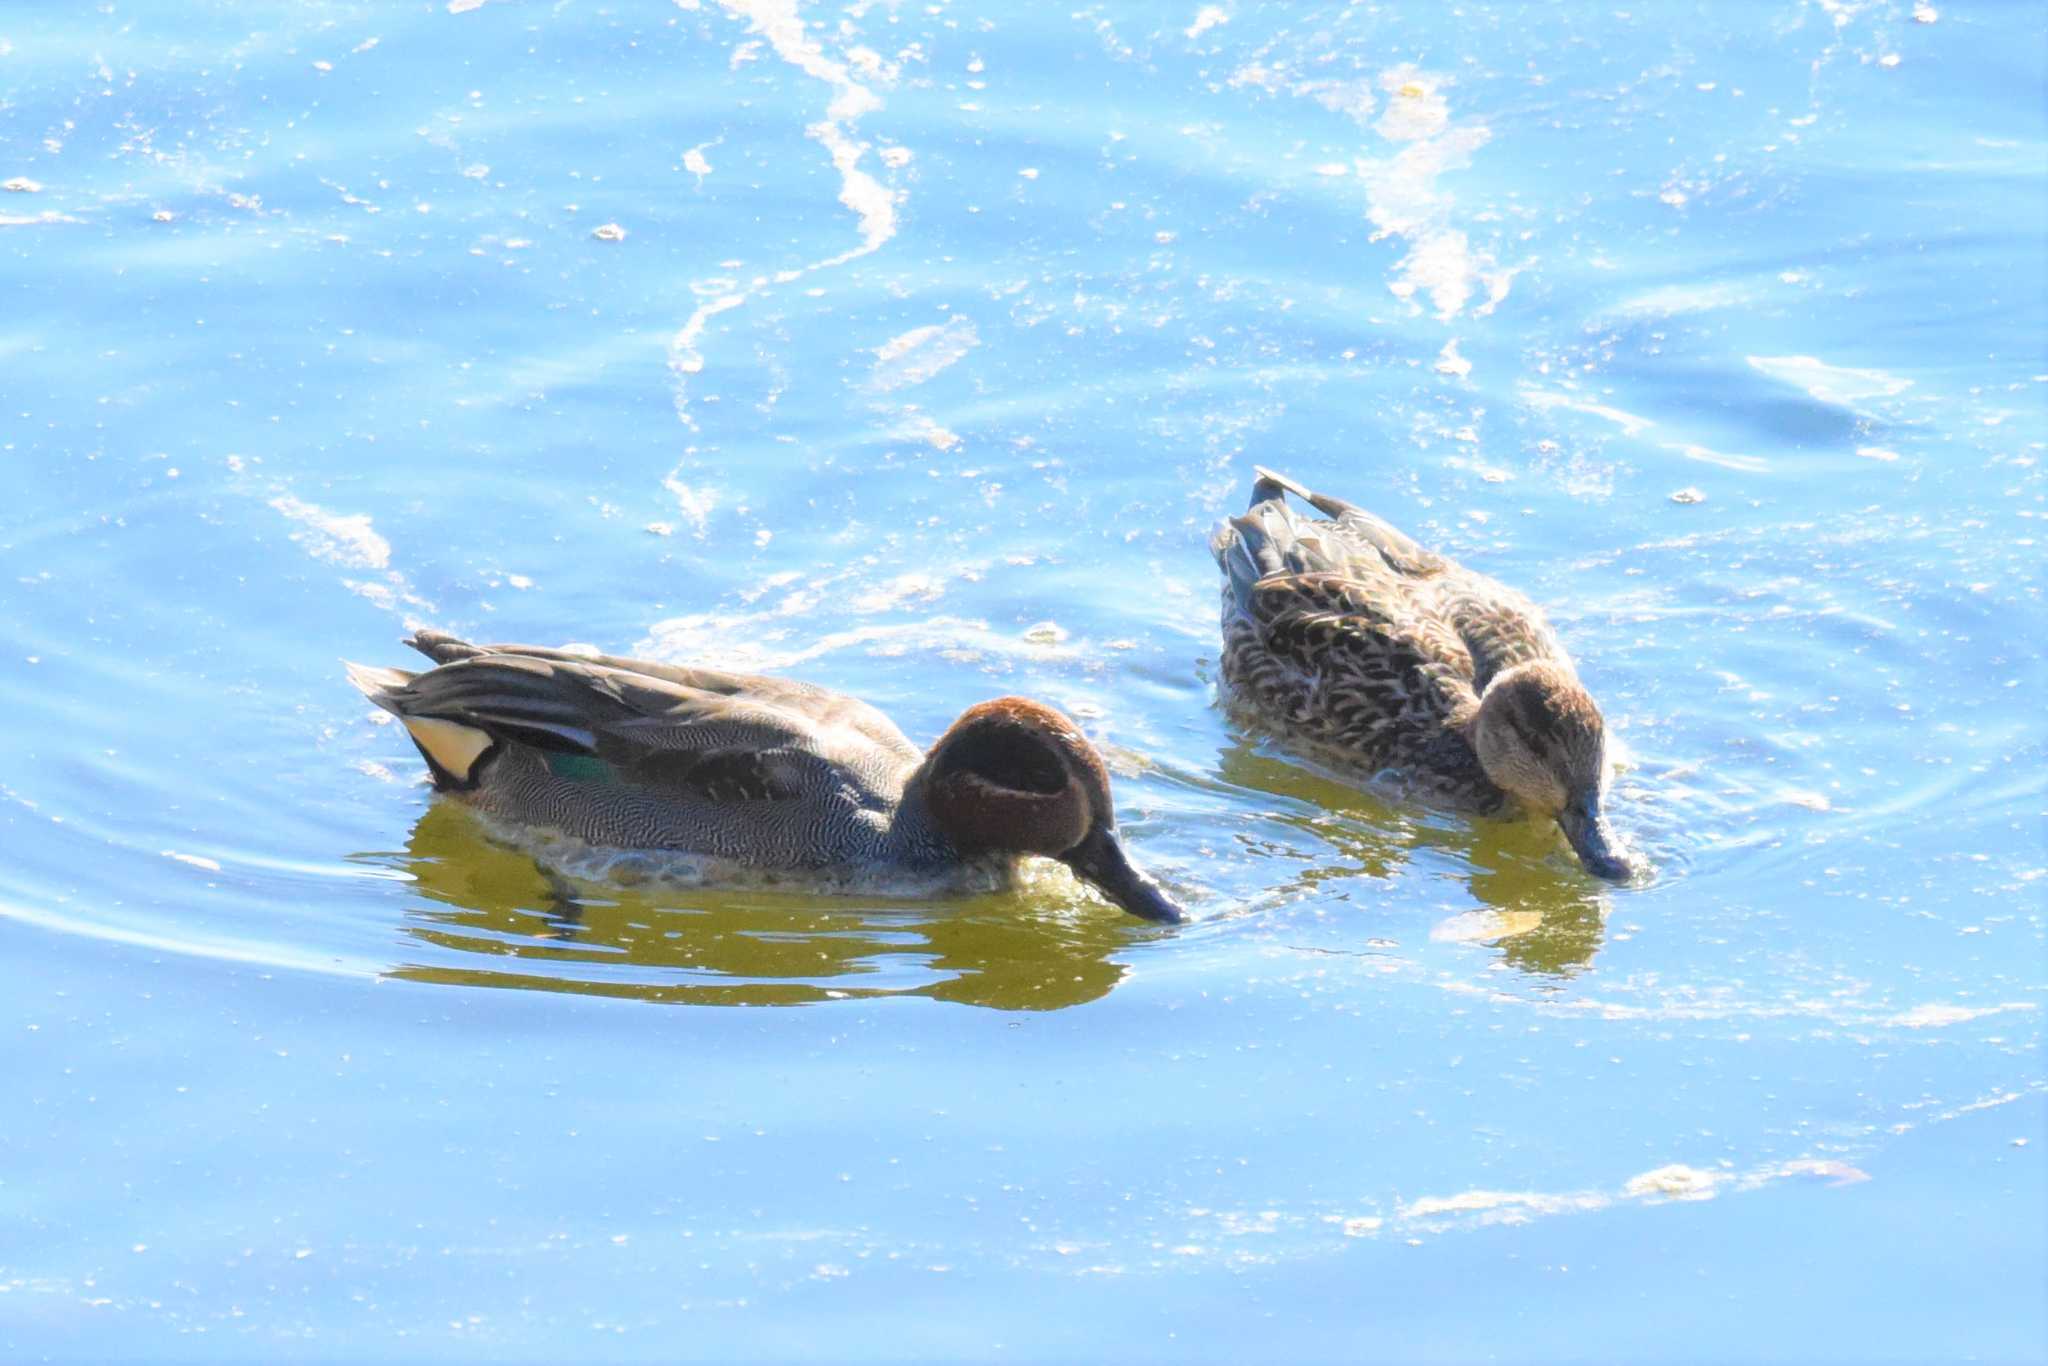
(1100, 859)
(1586, 827)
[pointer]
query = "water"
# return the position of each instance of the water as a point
(936, 339)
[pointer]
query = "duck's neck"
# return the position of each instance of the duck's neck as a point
(1465, 717)
(915, 840)
(1464, 720)
(1456, 757)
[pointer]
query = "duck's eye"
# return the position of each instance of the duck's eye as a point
(1011, 757)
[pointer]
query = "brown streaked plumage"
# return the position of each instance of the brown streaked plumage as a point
(1373, 653)
(762, 772)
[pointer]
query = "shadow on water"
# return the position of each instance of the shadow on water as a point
(1544, 917)
(509, 922)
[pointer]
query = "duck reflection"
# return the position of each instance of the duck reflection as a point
(1546, 918)
(504, 920)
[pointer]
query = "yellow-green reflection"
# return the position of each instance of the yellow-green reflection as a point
(507, 922)
(1554, 914)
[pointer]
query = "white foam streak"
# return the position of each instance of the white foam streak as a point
(345, 539)
(695, 504)
(751, 643)
(1404, 196)
(348, 540)
(1545, 400)
(779, 625)
(778, 23)
(916, 426)
(1936, 1015)
(683, 356)
(1675, 1181)
(1405, 199)
(1630, 424)
(917, 355)
(1222, 1231)
(1728, 1005)
(912, 358)
(1836, 385)
(196, 860)
(1707, 455)
(1670, 300)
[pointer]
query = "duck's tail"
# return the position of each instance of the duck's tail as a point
(1269, 485)
(452, 750)
(379, 685)
(388, 687)
(1354, 524)
(1267, 539)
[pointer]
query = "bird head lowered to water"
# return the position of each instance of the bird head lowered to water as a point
(1540, 739)
(1013, 776)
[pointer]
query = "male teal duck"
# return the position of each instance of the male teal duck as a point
(761, 772)
(1375, 653)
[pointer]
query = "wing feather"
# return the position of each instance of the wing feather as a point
(647, 683)
(650, 731)
(1329, 658)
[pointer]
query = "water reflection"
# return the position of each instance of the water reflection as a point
(491, 916)
(1548, 917)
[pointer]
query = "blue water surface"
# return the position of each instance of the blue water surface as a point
(913, 350)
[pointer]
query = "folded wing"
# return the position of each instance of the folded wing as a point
(697, 735)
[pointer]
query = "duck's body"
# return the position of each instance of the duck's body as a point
(760, 772)
(1372, 652)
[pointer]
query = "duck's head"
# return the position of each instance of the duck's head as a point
(1541, 740)
(1015, 777)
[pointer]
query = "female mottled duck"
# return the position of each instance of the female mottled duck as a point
(1373, 653)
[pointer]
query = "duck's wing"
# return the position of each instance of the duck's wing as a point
(1420, 595)
(1325, 655)
(704, 740)
(824, 710)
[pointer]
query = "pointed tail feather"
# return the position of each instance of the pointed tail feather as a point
(529, 700)
(1266, 538)
(1260, 543)
(441, 647)
(1236, 556)
(1269, 486)
(452, 750)
(1271, 482)
(1400, 550)
(378, 684)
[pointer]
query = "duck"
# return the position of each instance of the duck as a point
(1370, 652)
(766, 773)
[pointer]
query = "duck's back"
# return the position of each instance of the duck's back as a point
(637, 755)
(1348, 635)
